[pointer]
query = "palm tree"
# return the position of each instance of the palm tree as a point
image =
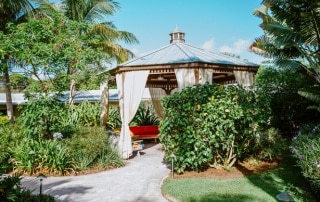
(292, 34)
(292, 37)
(13, 11)
(96, 12)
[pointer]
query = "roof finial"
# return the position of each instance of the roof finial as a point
(177, 36)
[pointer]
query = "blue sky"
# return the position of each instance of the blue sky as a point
(216, 25)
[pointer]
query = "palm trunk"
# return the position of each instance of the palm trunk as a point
(104, 104)
(8, 95)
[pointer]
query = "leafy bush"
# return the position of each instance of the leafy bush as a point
(211, 125)
(10, 136)
(41, 117)
(280, 88)
(145, 117)
(89, 148)
(84, 114)
(306, 150)
(114, 119)
(84, 150)
(3, 120)
(35, 156)
(269, 145)
(11, 190)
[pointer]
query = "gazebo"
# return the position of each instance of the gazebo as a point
(172, 68)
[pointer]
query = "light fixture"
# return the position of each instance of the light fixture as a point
(41, 177)
(160, 77)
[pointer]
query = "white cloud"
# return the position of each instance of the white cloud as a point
(238, 47)
(208, 45)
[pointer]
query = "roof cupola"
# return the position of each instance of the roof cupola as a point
(177, 36)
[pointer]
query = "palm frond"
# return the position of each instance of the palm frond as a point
(100, 10)
(310, 94)
(114, 50)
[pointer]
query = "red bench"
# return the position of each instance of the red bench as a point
(144, 132)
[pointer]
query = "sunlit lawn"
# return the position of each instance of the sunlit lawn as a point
(259, 187)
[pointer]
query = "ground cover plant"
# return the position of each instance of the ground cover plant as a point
(261, 186)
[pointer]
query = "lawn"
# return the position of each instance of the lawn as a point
(260, 187)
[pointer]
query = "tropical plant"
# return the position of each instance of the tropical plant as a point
(292, 35)
(96, 13)
(10, 136)
(145, 117)
(84, 114)
(114, 119)
(90, 148)
(305, 148)
(13, 11)
(65, 51)
(41, 117)
(11, 190)
(279, 87)
(46, 156)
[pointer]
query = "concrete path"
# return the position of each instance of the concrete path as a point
(139, 180)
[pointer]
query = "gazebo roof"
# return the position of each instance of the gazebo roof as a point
(176, 53)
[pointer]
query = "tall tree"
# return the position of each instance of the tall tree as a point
(96, 12)
(12, 11)
(291, 33)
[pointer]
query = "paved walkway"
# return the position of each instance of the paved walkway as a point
(139, 180)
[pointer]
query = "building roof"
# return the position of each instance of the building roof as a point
(90, 95)
(185, 53)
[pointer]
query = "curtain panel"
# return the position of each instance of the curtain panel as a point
(130, 86)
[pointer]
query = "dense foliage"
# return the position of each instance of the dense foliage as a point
(145, 116)
(211, 125)
(280, 88)
(52, 137)
(306, 149)
(11, 190)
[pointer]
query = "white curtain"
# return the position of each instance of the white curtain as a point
(185, 77)
(130, 86)
(244, 78)
(205, 75)
(156, 95)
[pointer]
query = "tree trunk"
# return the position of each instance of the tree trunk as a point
(104, 104)
(8, 94)
(72, 91)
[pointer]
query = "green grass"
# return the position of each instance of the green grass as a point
(259, 187)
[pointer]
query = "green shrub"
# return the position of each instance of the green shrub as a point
(44, 156)
(211, 125)
(280, 86)
(3, 120)
(91, 147)
(270, 145)
(84, 114)
(10, 136)
(145, 117)
(11, 190)
(41, 117)
(306, 150)
(114, 119)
